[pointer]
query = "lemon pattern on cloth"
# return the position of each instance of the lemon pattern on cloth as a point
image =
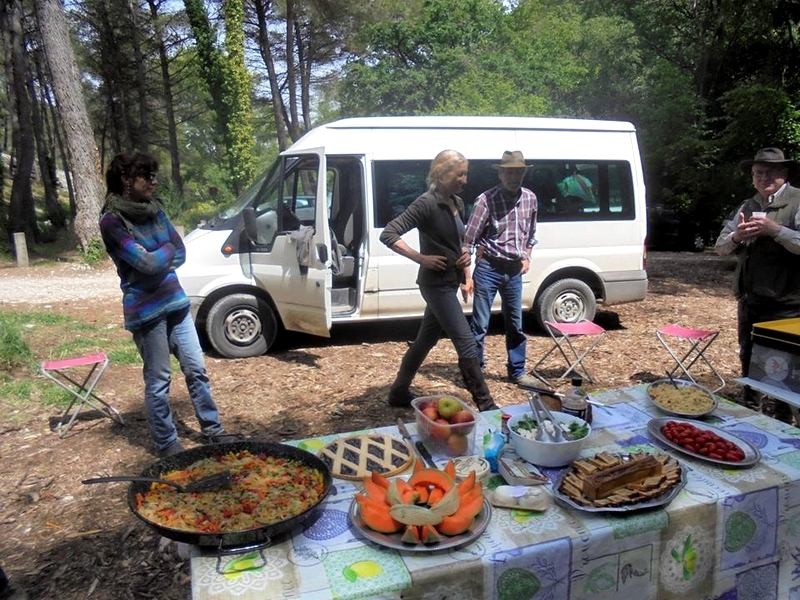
(686, 559)
(360, 572)
(241, 564)
(363, 569)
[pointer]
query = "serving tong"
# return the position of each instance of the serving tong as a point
(535, 401)
(204, 484)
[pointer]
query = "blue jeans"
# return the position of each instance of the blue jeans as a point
(175, 334)
(488, 282)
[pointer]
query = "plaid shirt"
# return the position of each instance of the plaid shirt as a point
(504, 229)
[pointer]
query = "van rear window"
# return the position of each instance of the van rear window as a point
(566, 190)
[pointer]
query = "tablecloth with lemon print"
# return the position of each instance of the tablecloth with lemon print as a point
(730, 534)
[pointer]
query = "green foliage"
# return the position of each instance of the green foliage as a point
(69, 338)
(14, 351)
(410, 60)
(95, 251)
(237, 86)
(125, 355)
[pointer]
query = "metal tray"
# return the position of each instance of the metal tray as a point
(751, 454)
(392, 540)
(683, 383)
(657, 502)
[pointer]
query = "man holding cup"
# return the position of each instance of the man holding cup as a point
(764, 235)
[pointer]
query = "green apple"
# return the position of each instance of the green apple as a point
(448, 406)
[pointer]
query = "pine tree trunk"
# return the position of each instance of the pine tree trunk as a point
(21, 213)
(85, 159)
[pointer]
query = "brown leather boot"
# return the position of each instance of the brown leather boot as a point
(476, 384)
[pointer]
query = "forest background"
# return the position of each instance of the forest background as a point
(216, 88)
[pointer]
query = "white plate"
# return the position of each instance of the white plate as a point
(751, 453)
(659, 501)
(682, 383)
(392, 540)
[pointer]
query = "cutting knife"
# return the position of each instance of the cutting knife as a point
(421, 449)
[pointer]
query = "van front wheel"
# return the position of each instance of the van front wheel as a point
(241, 326)
(565, 301)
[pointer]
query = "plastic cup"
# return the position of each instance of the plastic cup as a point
(759, 214)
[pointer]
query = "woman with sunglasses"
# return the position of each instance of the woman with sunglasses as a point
(146, 250)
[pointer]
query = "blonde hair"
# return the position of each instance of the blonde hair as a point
(443, 165)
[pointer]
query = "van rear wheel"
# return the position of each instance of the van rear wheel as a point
(565, 301)
(241, 326)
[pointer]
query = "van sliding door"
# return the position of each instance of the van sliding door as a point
(297, 271)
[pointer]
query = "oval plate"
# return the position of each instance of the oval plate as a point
(662, 500)
(682, 383)
(751, 454)
(392, 540)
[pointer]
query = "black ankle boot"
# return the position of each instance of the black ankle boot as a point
(476, 384)
(400, 397)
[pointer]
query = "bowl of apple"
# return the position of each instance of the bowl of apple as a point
(445, 423)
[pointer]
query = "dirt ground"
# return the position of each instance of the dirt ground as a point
(64, 540)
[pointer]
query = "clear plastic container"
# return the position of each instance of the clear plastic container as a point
(452, 432)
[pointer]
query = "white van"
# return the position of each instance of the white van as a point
(299, 250)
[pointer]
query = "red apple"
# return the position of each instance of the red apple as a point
(457, 444)
(431, 413)
(440, 430)
(448, 406)
(463, 418)
(426, 403)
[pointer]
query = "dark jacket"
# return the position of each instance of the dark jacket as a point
(767, 273)
(439, 235)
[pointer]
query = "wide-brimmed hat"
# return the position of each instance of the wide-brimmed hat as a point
(511, 160)
(769, 156)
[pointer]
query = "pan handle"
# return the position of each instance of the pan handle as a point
(117, 478)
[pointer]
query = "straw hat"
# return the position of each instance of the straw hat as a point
(512, 160)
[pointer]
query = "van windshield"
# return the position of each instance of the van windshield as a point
(247, 196)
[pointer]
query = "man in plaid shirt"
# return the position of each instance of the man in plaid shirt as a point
(502, 231)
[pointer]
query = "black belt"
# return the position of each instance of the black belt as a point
(496, 260)
(503, 264)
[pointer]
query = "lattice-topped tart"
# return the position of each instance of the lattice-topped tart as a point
(356, 456)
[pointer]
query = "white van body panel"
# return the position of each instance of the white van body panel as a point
(601, 245)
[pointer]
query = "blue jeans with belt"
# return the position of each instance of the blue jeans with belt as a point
(505, 279)
(174, 334)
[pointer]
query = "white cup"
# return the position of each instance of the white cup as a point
(759, 214)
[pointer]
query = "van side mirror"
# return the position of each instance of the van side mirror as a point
(249, 217)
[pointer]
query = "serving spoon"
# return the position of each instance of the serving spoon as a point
(204, 484)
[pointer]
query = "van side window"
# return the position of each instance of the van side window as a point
(284, 204)
(567, 190)
(397, 183)
(299, 195)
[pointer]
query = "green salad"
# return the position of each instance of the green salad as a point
(527, 426)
